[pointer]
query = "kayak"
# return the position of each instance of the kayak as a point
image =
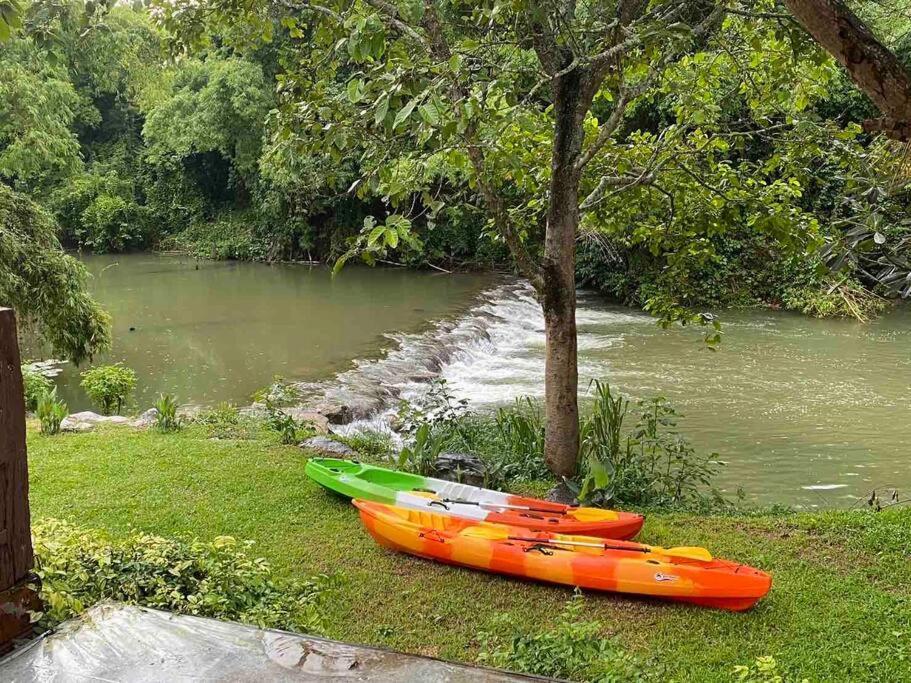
(366, 482)
(682, 574)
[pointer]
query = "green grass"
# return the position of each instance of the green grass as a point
(840, 607)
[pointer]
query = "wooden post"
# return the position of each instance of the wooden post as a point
(16, 558)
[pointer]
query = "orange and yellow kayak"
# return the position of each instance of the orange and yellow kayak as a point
(683, 574)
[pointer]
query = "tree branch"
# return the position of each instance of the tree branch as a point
(875, 69)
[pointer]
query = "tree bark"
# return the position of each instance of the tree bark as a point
(874, 68)
(558, 291)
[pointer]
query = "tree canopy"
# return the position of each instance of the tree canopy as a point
(43, 285)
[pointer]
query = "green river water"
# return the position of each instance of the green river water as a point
(804, 411)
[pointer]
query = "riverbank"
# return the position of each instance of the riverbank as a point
(839, 608)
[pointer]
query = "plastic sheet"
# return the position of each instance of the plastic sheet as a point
(114, 642)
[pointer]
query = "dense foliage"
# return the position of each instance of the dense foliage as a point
(79, 567)
(277, 137)
(649, 463)
(45, 286)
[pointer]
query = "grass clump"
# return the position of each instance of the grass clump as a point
(79, 567)
(573, 650)
(166, 419)
(51, 412)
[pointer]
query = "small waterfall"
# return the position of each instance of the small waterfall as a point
(490, 355)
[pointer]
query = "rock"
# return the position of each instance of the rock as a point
(301, 414)
(464, 468)
(561, 493)
(327, 447)
(87, 420)
(189, 412)
(336, 413)
(146, 419)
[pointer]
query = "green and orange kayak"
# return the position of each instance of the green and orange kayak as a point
(366, 482)
(682, 574)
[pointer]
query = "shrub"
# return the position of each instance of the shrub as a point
(654, 465)
(51, 412)
(166, 419)
(574, 650)
(109, 386)
(35, 385)
(79, 567)
(290, 431)
(421, 454)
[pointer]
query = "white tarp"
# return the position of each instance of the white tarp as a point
(114, 642)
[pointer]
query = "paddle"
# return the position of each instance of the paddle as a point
(690, 553)
(504, 506)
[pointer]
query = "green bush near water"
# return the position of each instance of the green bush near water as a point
(648, 465)
(79, 567)
(34, 385)
(109, 386)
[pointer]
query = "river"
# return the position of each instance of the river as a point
(804, 412)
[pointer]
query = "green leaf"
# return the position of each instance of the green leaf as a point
(392, 238)
(375, 235)
(382, 109)
(355, 90)
(404, 113)
(429, 113)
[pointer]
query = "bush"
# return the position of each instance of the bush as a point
(78, 567)
(109, 386)
(51, 412)
(166, 419)
(35, 385)
(575, 650)
(654, 465)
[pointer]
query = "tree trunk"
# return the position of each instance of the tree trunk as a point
(558, 295)
(873, 67)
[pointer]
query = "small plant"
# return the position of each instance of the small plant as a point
(290, 431)
(654, 465)
(372, 444)
(166, 419)
(79, 567)
(109, 386)
(520, 430)
(438, 408)
(421, 454)
(225, 421)
(574, 650)
(51, 412)
(763, 670)
(35, 385)
(279, 393)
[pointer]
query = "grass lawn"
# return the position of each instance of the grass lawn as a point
(840, 607)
